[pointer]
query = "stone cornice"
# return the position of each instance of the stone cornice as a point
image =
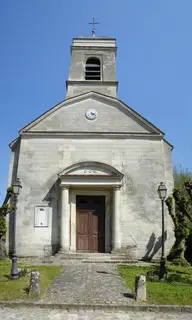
(90, 135)
(92, 82)
(94, 48)
(96, 38)
(122, 135)
(14, 143)
(93, 135)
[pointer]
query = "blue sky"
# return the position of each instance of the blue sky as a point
(154, 62)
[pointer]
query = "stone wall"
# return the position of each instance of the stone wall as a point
(143, 162)
(80, 52)
(77, 88)
(80, 56)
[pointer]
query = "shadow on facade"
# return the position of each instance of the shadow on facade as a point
(153, 246)
(52, 198)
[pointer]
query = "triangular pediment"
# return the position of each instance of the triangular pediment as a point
(91, 112)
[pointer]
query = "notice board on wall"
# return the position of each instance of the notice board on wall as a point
(41, 216)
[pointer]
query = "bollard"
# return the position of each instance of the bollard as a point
(140, 288)
(34, 290)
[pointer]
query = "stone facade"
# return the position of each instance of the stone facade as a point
(118, 154)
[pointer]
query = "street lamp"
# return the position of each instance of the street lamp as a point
(162, 191)
(16, 187)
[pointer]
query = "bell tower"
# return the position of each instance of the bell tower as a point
(93, 66)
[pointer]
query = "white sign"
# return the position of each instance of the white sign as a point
(41, 216)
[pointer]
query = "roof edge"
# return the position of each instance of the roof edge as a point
(94, 38)
(13, 143)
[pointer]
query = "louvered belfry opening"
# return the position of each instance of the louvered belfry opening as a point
(93, 69)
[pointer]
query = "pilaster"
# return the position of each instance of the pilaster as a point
(116, 228)
(65, 219)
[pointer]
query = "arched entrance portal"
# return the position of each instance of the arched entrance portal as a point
(90, 208)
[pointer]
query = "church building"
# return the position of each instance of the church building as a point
(90, 168)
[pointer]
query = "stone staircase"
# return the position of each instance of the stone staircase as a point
(96, 257)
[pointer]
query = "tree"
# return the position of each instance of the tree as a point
(4, 210)
(180, 176)
(180, 209)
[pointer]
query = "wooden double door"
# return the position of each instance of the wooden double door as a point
(90, 223)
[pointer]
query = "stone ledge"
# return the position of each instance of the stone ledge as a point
(113, 307)
(111, 261)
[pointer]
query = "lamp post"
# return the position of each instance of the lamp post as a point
(162, 191)
(16, 186)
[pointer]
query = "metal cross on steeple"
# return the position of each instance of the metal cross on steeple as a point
(93, 30)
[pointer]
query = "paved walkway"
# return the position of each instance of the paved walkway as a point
(41, 314)
(88, 283)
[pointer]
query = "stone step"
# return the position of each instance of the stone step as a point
(124, 261)
(90, 256)
(96, 257)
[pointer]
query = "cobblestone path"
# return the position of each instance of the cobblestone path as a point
(88, 283)
(41, 314)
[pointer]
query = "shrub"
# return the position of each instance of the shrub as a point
(181, 262)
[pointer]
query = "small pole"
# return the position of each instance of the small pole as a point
(162, 261)
(14, 269)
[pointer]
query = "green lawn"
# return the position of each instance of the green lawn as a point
(177, 289)
(18, 289)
